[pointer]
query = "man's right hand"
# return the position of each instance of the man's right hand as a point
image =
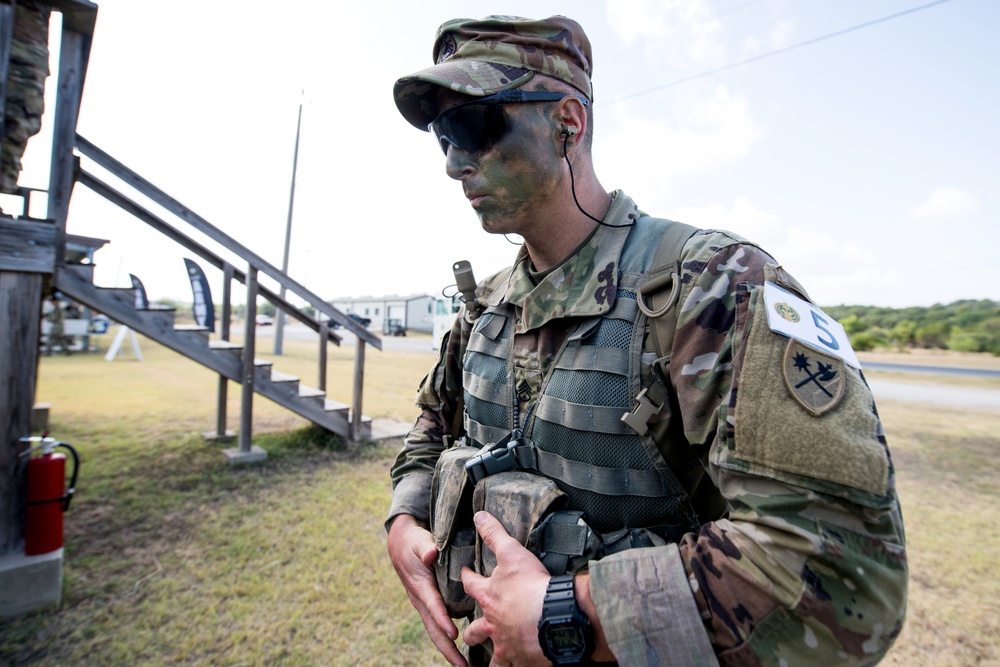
(412, 551)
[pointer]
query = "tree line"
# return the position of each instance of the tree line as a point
(964, 326)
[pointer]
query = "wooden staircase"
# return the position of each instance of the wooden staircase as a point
(223, 357)
(233, 362)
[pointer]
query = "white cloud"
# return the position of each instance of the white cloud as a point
(648, 148)
(782, 35)
(742, 218)
(828, 267)
(681, 36)
(946, 202)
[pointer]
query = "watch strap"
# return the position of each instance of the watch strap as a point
(560, 604)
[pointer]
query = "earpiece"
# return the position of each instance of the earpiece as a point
(568, 131)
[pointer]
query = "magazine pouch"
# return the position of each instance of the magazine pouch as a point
(452, 527)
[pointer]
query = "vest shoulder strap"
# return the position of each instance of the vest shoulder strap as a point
(656, 298)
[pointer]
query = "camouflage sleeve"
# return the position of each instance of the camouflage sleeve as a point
(808, 564)
(441, 401)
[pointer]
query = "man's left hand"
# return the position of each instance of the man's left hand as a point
(511, 598)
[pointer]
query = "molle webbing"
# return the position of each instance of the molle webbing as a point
(609, 472)
(606, 481)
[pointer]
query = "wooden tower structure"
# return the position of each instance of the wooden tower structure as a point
(33, 257)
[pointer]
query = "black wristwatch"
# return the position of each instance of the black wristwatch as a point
(564, 631)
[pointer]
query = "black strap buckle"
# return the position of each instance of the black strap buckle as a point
(500, 458)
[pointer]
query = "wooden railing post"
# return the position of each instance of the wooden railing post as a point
(63, 162)
(324, 336)
(249, 345)
(359, 383)
(223, 394)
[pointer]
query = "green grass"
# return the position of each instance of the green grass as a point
(175, 558)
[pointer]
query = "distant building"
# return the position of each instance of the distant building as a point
(415, 311)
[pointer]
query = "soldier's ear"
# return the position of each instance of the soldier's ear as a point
(572, 119)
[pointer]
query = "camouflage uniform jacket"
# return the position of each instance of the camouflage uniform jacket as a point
(802, 557)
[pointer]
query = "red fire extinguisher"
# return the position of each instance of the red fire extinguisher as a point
(47, 496)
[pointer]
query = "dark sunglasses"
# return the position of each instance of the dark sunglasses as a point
(478, 124)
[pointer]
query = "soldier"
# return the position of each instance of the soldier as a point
(57, 330)
(29, 66)
(669, 455)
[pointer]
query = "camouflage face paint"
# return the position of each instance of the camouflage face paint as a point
(505, 182)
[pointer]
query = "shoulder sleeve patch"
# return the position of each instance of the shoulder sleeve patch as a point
(802, 412)
(815, 380)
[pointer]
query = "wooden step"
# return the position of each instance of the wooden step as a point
(335, 406)
(262, 370)
(85, 271)
(122, 295)
(282, 377)
(194, 332)
(225, 347)
(161, 319)
(312, 395)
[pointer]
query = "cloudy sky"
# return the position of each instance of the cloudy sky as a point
(865, 160)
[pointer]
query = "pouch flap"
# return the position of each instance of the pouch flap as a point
(447, 491)
(520, 501)
(490, 325)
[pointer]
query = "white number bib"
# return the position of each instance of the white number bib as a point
(796, 318)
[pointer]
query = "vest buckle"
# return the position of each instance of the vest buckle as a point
(500, 458)
(644, 409)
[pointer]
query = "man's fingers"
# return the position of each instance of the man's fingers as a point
(492, 531)
(472, 582)
(475, 633)
(439, 626)
(428, 555)
(445, 645)
(430, 604)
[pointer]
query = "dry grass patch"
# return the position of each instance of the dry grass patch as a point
(950, 492)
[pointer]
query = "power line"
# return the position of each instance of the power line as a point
(769, 54)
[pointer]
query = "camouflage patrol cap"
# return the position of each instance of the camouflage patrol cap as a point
(484, 56)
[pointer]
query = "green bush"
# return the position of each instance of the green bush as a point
(864, 341)
(933, 335)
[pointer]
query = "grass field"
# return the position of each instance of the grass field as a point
(175, 558)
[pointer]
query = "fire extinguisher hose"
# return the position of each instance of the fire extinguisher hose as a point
(49, 445)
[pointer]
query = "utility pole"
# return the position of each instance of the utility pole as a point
(279, 325)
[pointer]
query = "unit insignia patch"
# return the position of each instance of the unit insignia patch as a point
(787, 312)
(815, 380)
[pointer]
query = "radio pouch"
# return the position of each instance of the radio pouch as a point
(452, 527)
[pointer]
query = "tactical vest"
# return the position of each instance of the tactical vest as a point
(616, 477)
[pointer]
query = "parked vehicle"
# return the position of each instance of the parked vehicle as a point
(393, 327)
(363, 321)
(264, 321)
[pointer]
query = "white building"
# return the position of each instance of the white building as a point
(416, 312)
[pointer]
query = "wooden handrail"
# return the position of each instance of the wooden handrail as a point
(89, 180)
(143, 186)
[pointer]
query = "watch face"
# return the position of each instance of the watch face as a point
(565, 638)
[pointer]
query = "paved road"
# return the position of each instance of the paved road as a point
(939, 395)
(933, 394)
(302, 332)
(930, 370)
